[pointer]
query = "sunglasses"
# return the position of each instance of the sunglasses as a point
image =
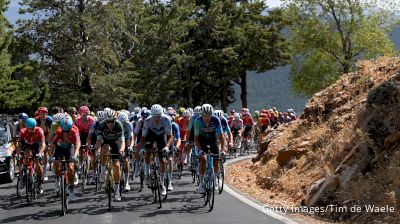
(66, 131)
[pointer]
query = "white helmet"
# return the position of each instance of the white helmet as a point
(206, 109)
(236, 116)
(57, 117)
(109, 114)
(218, 113)
(107, 109)
(186, 113)
(143, 109)
(256, 112)
(100, 115)
(246, 111)
(190, 110)
(123, 117)
(137, 110)
(197, 110)
(156, 110)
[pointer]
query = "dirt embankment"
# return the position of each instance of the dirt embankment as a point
(343, 151)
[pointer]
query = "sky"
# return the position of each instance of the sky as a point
(12, 12)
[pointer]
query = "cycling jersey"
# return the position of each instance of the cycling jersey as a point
(237, 124)
(105, 134)
(176, 133)
(53, 129)
(183, 123)
(225, 126)
(208, 134)
(128, 130)
(191, 127)
(248, 121)
(27, 138)
(45, 125)
(16, 130)
(84, 126)
(66, 142)
(163, 128)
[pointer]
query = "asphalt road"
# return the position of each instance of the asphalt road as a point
(183, 205)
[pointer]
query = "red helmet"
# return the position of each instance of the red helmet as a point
(43, 109)
(84, 110)
(264, 111)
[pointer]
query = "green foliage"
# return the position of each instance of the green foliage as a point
(328, 37)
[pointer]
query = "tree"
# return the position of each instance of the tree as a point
(328, 37)
(16, 95)
(72, 42)
(260, 45)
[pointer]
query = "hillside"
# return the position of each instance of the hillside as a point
(345, 148)
(273, 88)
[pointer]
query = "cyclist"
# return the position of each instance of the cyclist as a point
(32, 144)
(66, 143)
(190, 135)
(71, 111)
(225, 127)
(231, 117)
(183, 123)
(44, 121)
(55, 110)
(137, 136)
(256, 116)
(155, 129)
(91, 141)
(174, 148)
(128, 134)
(84, 122)
(111, 139)
(207, 129)
(17, 127)
(237, 128)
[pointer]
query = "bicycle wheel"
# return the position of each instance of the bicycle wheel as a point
(206, 186)
(157, 193)
(211, 193)
(193, 168)
(63, 196)
(109, 189)
(96, 176)
(166, 182)
(29, 189)
(221, 177)
(19, 179)
(140, 166)
(84, 172)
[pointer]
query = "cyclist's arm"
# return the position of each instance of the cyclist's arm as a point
(121, 145)
(42, 145)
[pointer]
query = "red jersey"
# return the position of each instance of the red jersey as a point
(248, 121)
(31, 138)
(183, 123)
(84, 126)
(68, 140)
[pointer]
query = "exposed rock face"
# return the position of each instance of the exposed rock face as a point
(345, 148)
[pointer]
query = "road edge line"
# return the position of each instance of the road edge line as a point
(238, 195)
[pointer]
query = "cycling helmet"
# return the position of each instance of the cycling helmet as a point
(106, 109)
(23, 116)
(144, 108)
(186, 113)
(100, 115)
(237, 116)
(218, 113)
(145, 113)
(256, 113)
(164, 110)
(137, 110)
(170, 108)
(233, 111)
(123, 117)
(206, 109)
(171, 112)
(43, 109)
(71, 110)
(109, 114)
(190, 110)
(197, 110)
(84, 110)
(264, 111)
(57, 117)
(30, 123)
(156, 110)
(66, 123)
(181, 110)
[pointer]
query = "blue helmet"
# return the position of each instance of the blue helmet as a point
(30, 123)
(23, 116)
(66, 123)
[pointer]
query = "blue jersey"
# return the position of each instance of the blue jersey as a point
(128, 130)
(225, 126)
(175, 130)
(214, 127)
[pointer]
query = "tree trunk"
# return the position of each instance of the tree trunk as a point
(223, 97)
(243, 88)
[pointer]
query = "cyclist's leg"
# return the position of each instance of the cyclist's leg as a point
(161, 143)
(116, 169)
(68, 153)
(105, 149)
(57, 166)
